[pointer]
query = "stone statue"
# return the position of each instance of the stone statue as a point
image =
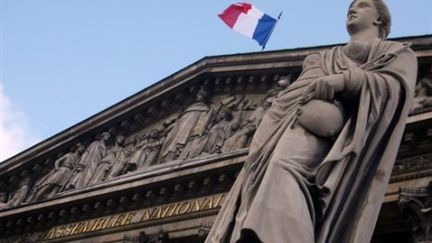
(188, 127)
(297, 186)
(423, 97)
(89, 161)
(57, 179)
(113, 163)
(148, 150)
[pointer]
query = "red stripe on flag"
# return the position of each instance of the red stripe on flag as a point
(230, 15)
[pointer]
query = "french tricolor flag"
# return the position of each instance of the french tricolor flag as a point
(247, 20)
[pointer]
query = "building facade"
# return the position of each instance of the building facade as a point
(156, 166)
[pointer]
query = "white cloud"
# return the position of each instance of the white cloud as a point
(15, 135)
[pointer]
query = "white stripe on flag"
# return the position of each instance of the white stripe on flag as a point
(246, 24)
(255, 12)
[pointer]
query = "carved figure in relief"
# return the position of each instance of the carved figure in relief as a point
(22, 192)
(3, 200)
(57, 178)
(190, 125)
(219, 132)
(242, 135)
(113, 164)
(281, 84)
(298, 186)
(148, 150)
(89, 161)
(121, 164)
(423, 97)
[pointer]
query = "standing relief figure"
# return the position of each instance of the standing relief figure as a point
(188, 127)
(147, 152)
(89, 161)
(218, 133)
(56, 179)
(113, 164)
(242, 134)
(423, 97)
(219, 127)
(321, 158)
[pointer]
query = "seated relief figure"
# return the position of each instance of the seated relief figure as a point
(320, 182)
(56, 179)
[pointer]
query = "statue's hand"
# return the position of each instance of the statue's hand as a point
(320, 89)
(324, 88)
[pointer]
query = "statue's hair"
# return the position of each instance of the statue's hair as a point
(384, 13)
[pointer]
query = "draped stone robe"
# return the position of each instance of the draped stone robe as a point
(192, 123)
(297, 187)
(89, 162)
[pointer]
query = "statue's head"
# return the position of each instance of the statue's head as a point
(202, 95)
(3, 197)
(154, 133)
(120, 139)
(80, 148)
(105, 136)
(366, 13)
(225, 113)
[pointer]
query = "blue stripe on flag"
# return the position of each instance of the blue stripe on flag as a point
(264, 29)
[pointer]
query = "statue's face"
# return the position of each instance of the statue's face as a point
(154, 133)
(3, 197)
(120, 139)
(362, 15)
(81, 149)
(106, 136)
(200, 96)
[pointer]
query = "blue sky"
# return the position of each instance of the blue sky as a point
(63, 61)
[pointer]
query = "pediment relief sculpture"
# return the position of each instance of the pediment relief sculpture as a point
(89, 162)
(55, 181)
(188, 127)
(423, 94)
(17, 197)
(211, 124)
(147, 150)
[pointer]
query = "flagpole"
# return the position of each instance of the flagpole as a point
(271, 31)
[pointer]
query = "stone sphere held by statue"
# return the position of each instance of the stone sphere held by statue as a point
(322, 118)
